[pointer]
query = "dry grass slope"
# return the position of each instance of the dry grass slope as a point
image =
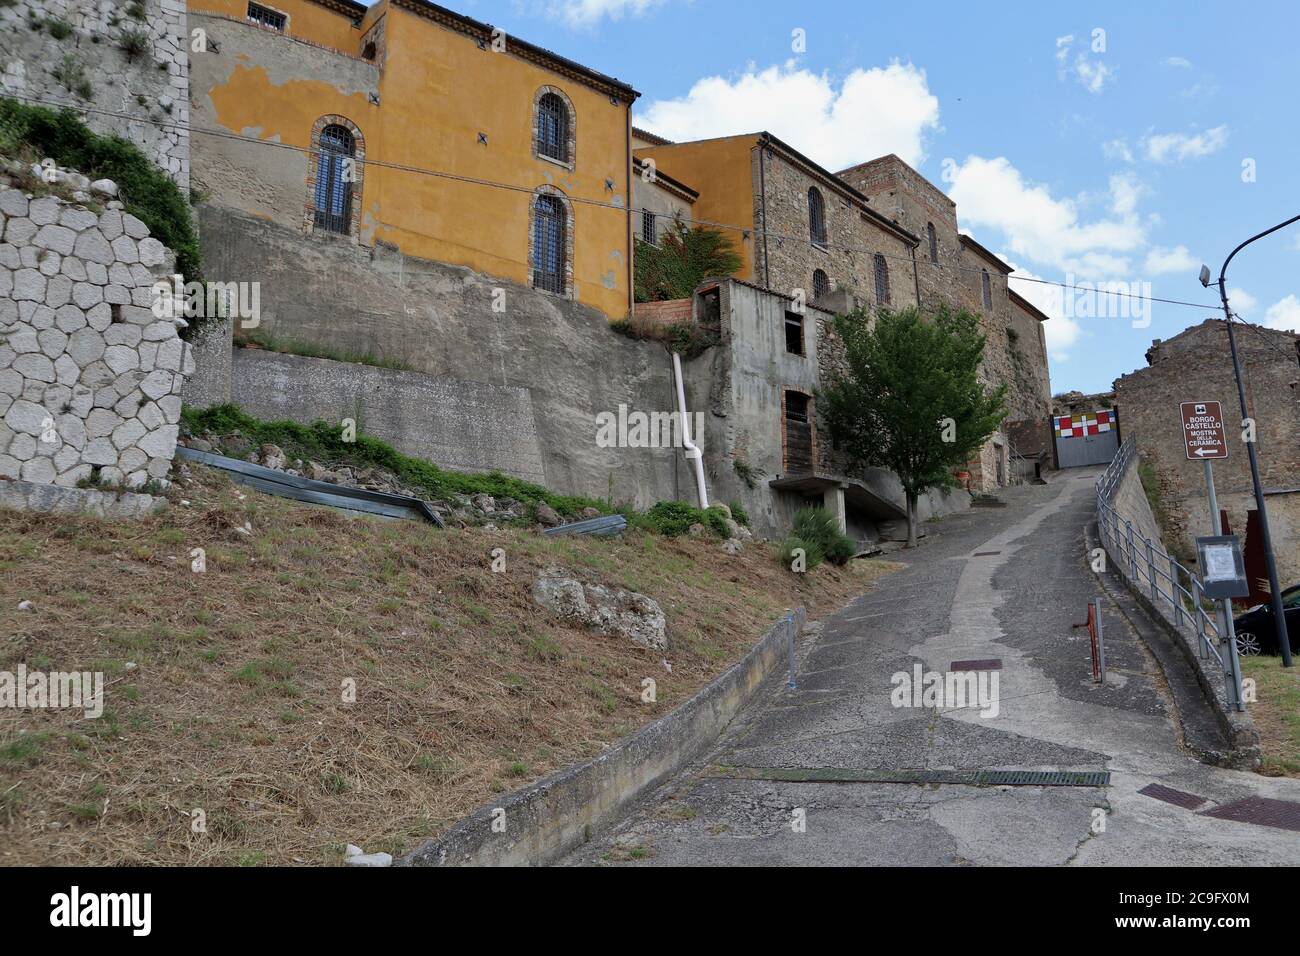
(224, 688)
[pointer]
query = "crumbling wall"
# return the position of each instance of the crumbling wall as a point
(80, 53)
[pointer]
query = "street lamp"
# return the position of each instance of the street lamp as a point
(1275, 589)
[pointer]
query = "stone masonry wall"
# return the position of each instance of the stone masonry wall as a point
(852, 239)
(90, 379)
(1196, 366)
(144, 98)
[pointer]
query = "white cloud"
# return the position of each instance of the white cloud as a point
(1284, 314)
(1117, 149)
(1161, 260)
(1181, 63)
(1092, 75)
(1176, 147)
(1061, 332)
(872, 112)
(1241, 301)
(1037, 226)
(585, 13)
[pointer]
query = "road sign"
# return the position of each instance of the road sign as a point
(1203, 431)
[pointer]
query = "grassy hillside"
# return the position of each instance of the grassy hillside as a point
(224, 688)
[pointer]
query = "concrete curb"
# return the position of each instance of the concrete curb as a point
(561, 812)
(18, 495)
(1238, 729)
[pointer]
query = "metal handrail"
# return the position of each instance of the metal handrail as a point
(1130, 551)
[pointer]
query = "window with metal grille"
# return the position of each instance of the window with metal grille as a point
(986, 288)
(794, 333)
(335, 173)
(821, 285)
(882, 279)
(553, 128)
(649, 230)
(816, 216)
(933, 240)
(267, 17)
(548, 244)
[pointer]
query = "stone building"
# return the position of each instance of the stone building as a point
(1195, 366)
(763, 443)
(797, 227)
(955, 269)
(407, 124)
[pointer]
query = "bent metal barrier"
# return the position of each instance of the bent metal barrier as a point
(1154, 572)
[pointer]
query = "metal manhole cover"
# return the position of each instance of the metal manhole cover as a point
(987, 664)
(1188, 801)
(1261, 811)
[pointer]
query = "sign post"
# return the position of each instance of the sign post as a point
(1204, 440)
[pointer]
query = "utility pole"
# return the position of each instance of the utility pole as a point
(1275, 589)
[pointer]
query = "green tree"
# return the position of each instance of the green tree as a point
(681, 261)
(911, 399)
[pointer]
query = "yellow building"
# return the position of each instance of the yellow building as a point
(409, 124)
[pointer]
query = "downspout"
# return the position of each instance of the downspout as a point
(692, 450)
(631, 243)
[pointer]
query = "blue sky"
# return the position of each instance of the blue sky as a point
(1120, 156)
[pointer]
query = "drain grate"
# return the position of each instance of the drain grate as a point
(986, 554)
(1042, 778)
(968, 778)
(1261, 811)
(987, 664)
(1188, 801)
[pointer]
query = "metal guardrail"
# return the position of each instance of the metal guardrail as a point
(1150, 569)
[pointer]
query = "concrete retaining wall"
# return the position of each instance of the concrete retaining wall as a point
(462, 425)
(563, 811)
(450, 323)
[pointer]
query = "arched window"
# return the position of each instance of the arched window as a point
(550, 240)
(882, 280)
(986, 288)
(821, 285)
(933, 241)
(816, 217)
(336, 167)
(553, 128)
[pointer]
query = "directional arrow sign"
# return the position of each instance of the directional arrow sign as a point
(1203, 430)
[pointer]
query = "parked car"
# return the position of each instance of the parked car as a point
(1256, 633)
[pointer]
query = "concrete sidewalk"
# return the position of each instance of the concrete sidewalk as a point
(1005, 584)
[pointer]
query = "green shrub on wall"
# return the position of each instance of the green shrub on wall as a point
(146, 191)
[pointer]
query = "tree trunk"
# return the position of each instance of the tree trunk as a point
(911, 520)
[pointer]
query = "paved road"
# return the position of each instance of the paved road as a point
(1003, 583)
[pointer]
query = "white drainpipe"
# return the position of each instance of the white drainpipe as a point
(692, 451)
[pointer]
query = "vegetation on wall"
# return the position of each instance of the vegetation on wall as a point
(911, 399)
(146, 191)
(681, 261)
(323, 441)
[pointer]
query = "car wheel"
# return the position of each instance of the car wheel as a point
(1247, 644)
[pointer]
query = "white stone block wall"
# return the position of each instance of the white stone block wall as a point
(90, 377)
(145, 100)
